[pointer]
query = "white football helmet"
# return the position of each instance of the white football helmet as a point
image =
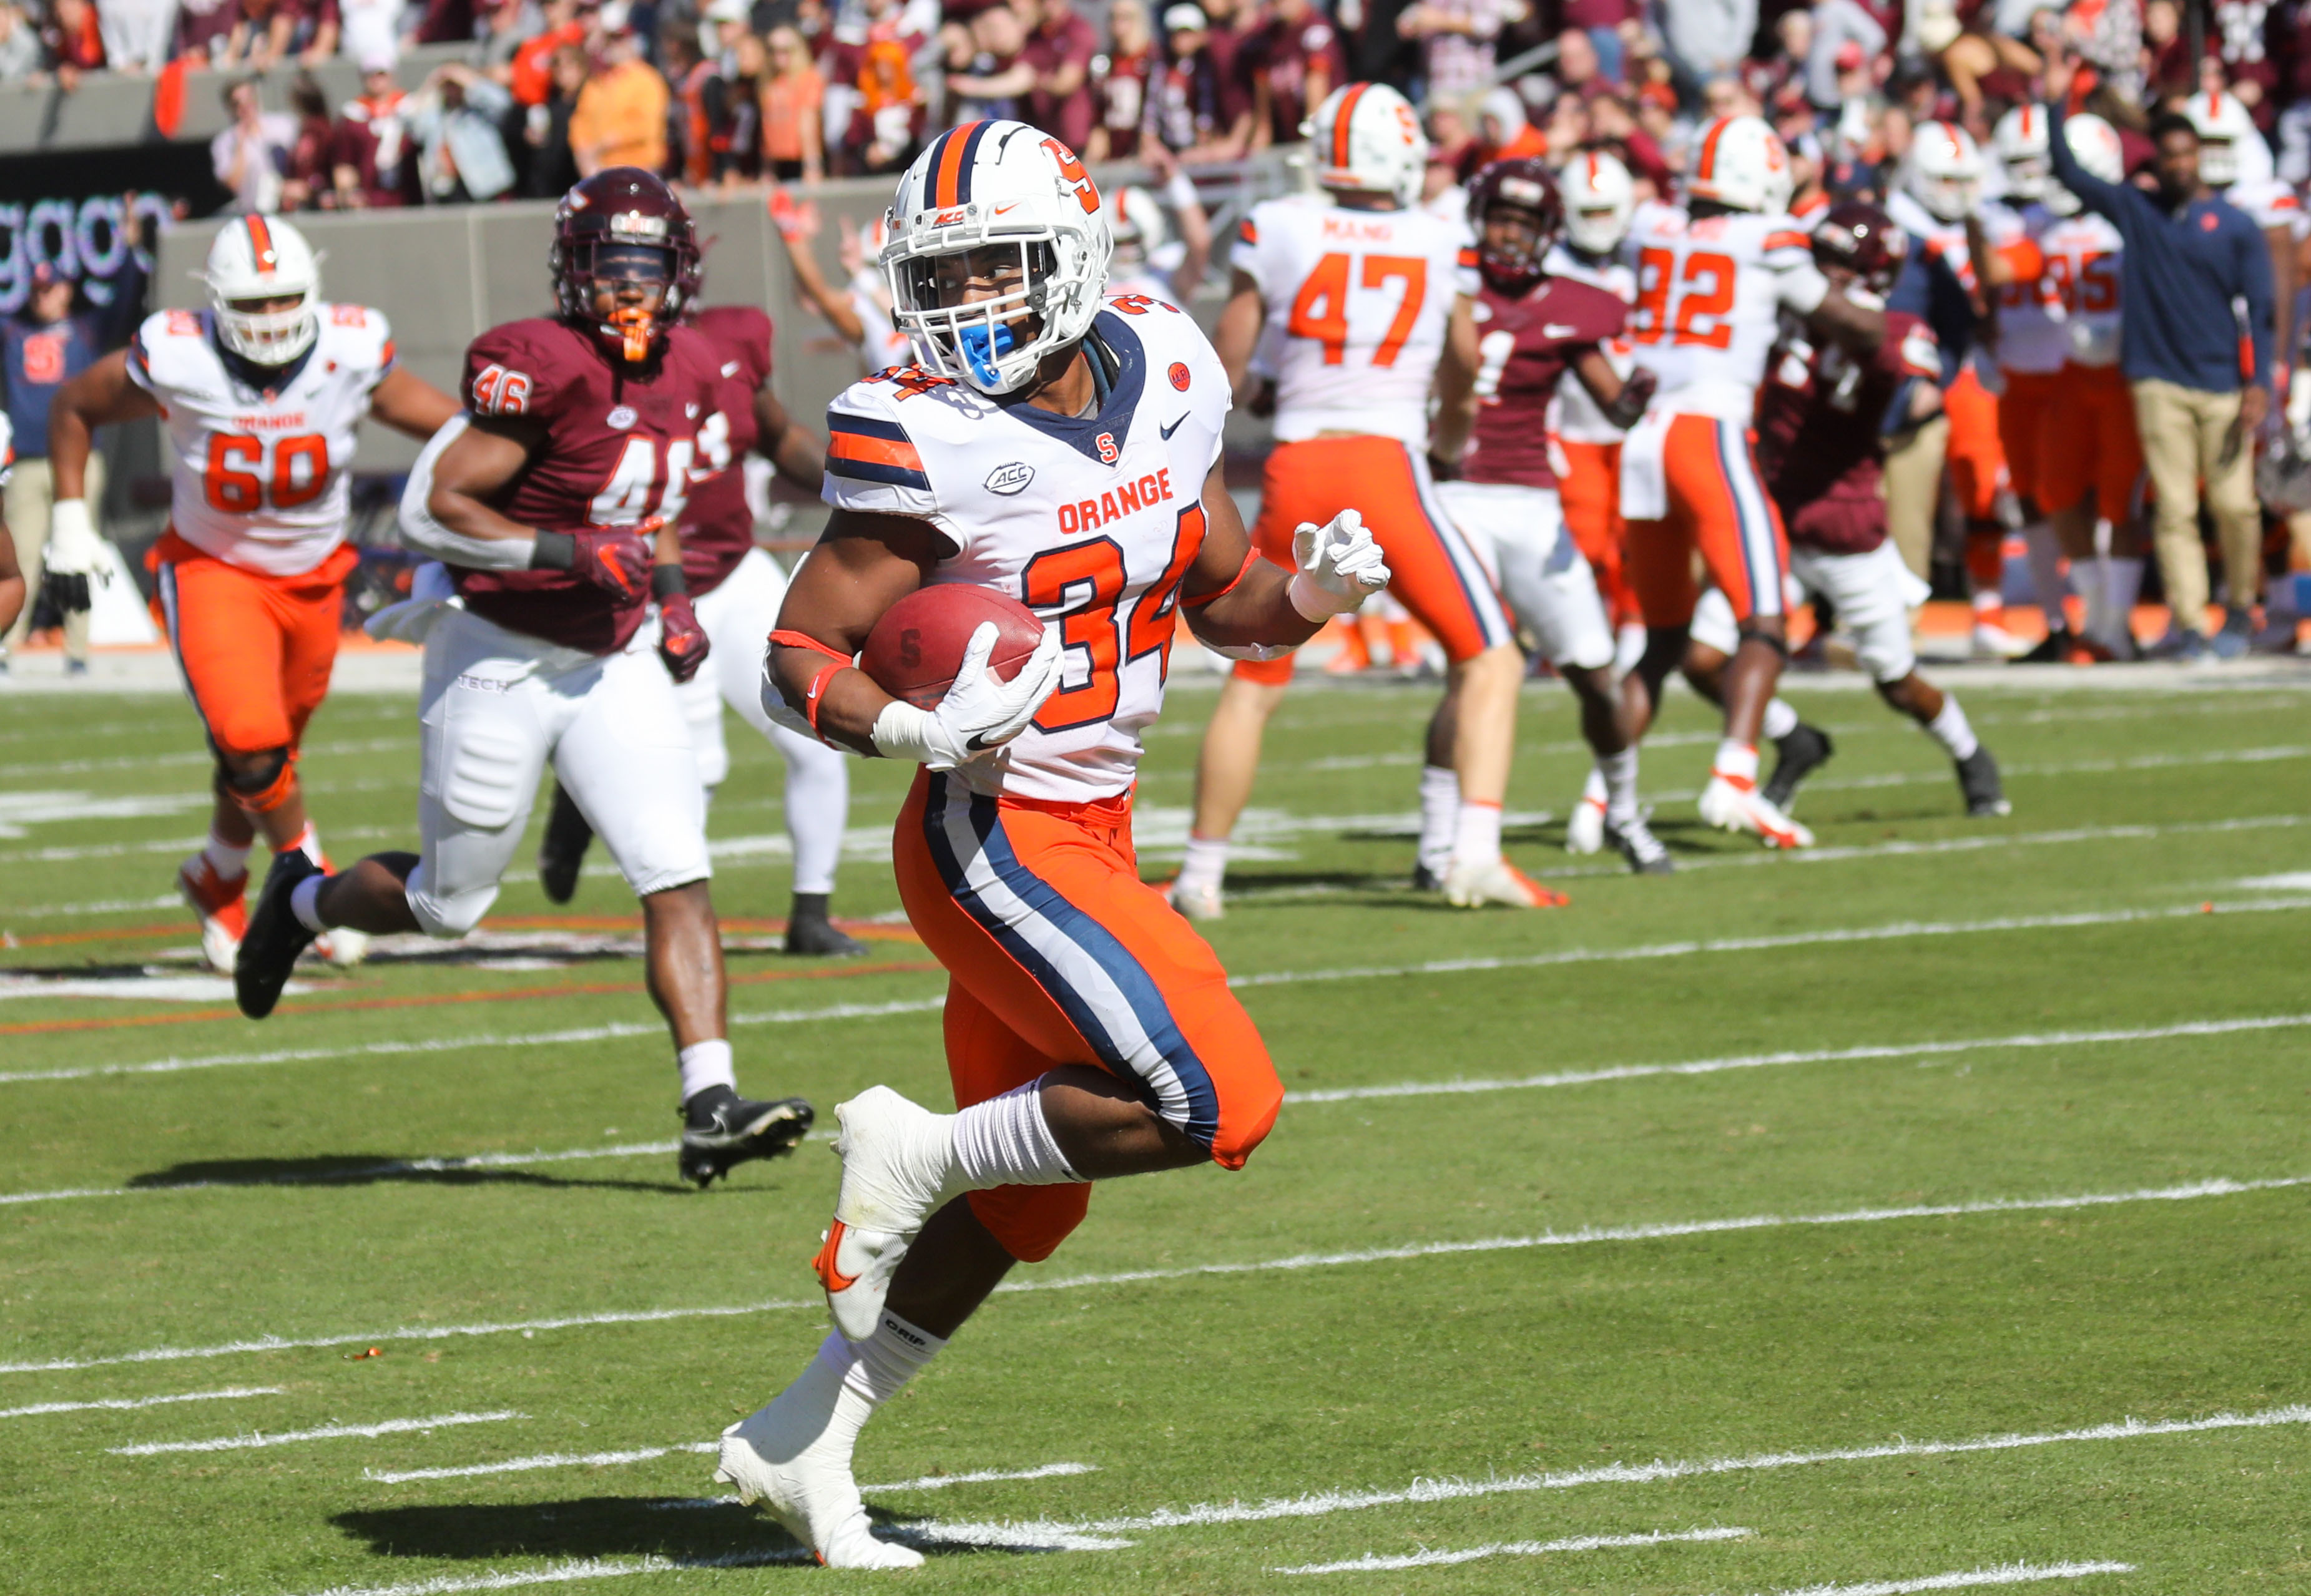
(1742, 165)
(256, 259)
(1368, 142)
(1943, 172)
(2019, 140)
(1136, 218)
(2226, 131)
(1599, 201)
(2094, 142)
(1002, 185)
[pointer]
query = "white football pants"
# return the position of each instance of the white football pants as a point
(495, 707)
(1873, 594)
(738, 618)
(1519, 534)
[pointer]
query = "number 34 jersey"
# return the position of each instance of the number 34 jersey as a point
(260, 479)
(1091, 522)
(1710, 293)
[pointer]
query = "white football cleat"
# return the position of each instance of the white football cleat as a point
(772, 1460)
(898, 1162)
(1196, 903)
(1732, 804)
(220, 906)
(1498, 882)
(1584, 831)
(1994, 642)
(341, 946)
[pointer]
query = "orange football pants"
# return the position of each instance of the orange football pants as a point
(1432, 569)
(2091, 443)
(1976, 462)
(256, 650)
(2026, 411)
(1717, 505)
(1057, 952)
(1591, 493)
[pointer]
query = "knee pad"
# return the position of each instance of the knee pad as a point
(266, 786)
(447, 916)
(1030, 1221)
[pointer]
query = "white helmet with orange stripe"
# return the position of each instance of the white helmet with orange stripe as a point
(2094, 142)
(1943, 172)
(1599, 201)
(1368, 142)
(256, 263)
(1742, 165)
(2226, 130)
(1002, 204)
(2020, 142)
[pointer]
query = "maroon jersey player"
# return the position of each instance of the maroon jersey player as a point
(580, 437)
(1530, 331)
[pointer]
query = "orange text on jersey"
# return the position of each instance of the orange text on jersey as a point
(283, 421)
(1350, 229)
(1088, 515)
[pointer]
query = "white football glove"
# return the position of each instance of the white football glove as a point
(73, 548)
(981, 711)
(1339, 567)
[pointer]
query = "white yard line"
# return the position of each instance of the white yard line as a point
(391, 1427)
(1370, 1563)
(2011, 1574)
(549, 1460)
(1588, 1236)
(122, 1404)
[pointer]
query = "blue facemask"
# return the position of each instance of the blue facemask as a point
(982, 346)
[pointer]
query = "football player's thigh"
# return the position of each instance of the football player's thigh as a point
(1542, 573)
(625, 757)
(229, 641)
(1871, 595)
(985, 1059)
(309, 613)
(487, 726)
(1975, 460)
(2118, 452)
(1591, 491)
(1657, 563)
(2021, 424)
(1713, 480)
(1434, 570)
(1299, 483)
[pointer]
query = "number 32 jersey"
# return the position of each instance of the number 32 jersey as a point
(1710, 293)
(261, 477)
(1091, 521)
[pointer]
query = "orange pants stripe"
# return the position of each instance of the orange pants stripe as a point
(1057, 952)
(256, 650)
(1717, 505)
(1432, 569)
(2091, 444)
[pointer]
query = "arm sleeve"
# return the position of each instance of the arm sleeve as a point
(872, 464)
(1244, 254)
(1800, 287)
(2105, 199)
(430, 536)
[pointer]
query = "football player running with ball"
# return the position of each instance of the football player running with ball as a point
(577, 442)
(1066, 455)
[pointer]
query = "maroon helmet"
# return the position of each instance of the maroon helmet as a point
(1523, 185)
(624, 225)
(1865, 240)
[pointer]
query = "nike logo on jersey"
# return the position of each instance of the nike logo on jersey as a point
(1175, 427)
(690, 412)
(729, 367)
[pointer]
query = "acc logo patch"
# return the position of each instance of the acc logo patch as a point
(621, 417)
(1010, 478)
(1108, 453)
(1180, 378)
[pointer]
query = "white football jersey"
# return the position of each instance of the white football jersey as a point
(7, 449)
(2081, 274)
(1710, 294)
(2033, 334)
(1572, 414)
(2268, 203)
(1364, 297)
(1945, 239)
(1091, 521)
(260, 479)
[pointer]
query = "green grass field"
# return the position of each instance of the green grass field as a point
(1955, 1145)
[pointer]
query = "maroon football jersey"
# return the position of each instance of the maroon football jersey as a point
(619, 446)
(717, 526)
(1820, 438)
(1523, 346)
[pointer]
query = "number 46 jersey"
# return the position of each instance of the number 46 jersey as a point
(260, 479)
(1091, 522)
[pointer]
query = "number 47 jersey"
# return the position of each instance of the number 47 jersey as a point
(261, 477)
(1091, 522)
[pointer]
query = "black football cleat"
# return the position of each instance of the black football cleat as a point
(722, 1130)
(562, 850)
(810, 931)
(274, 937)
(1803, 751)
(1426, 880)
(2054, 648)
(1977, 779)
(1645, 852)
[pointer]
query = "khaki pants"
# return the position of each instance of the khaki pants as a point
(2184, 430)
(1913, 493)
(30, 492)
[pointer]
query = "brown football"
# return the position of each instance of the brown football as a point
(917, 647)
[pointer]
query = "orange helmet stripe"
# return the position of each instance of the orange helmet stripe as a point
(1341, 121)
(1707, 168)
(946, 186)
(260, 239)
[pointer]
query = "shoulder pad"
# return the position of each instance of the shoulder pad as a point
(523, 368)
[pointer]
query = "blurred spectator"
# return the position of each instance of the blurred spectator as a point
(1613, 127)
(453, 122)
(444, 21)
(74, 40)
(888, 124)
(262, 33)
(700, 104)
(552, 168)
(1194, 106)
(1503, 134)
(531, 74)
(1059, 48)
(792, 96)
(1292, 61)
(1121, 77)
(721, 26)
(1846, 39)
(138, 34)
(504, 28)
(1608, 24)
(1580, 68)
(368, 31)
(745, 73)
(20, 47)
(310, 179)
(1707, 39)
(2109, 34)
(251, 155)
(368, 167)
(201, 28)
(620, 118)
(1456, 39)
(988, 77)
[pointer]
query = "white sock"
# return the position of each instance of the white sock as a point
(2126, 585)
(1736, 761)
(1440, 813)
(1628, 648)
(1006, 1141)
(1780, 720)
(1949, 729)
(1615, 777)
(2091, 578)
(304, 902)
(226, 862)
(886, 1360)
(831, 1400)
(2046, 572)
(818, 807)
(308, 842)
(1477, 834)
(1204, 865)
(706, 1064)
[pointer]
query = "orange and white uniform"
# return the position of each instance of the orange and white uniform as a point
(2033, 343)
(1975, 459)
(1710, 293)
(1589, 480)
(2086, 435)
(255, 559)
(1017, 870)
(1364, 298)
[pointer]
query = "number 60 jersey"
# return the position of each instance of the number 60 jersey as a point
(1091, 521)
(260, 479)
